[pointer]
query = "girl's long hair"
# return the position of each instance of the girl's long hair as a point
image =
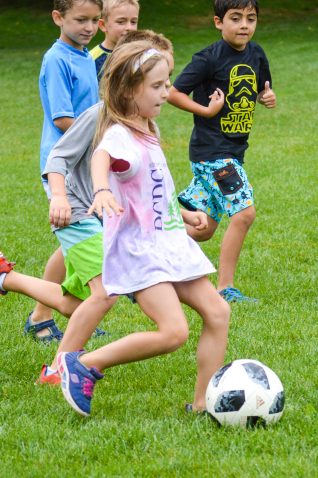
(121, 79)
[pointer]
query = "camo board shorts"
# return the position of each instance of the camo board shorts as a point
(219, 187)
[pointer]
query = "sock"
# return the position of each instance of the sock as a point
(50, 371)
(2, 277)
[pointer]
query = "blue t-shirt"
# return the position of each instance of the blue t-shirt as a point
(68, 86)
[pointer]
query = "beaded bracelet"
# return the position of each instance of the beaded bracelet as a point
(100, 190)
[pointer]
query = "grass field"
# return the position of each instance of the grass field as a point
(138, 427)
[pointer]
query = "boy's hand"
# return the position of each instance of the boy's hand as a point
(267, 97)
(60, 211)
(216, 102)
(105, 200)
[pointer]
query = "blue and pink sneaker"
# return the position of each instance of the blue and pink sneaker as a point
(77, 381)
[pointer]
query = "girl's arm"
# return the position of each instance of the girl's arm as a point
(103, 196)
(184, 102)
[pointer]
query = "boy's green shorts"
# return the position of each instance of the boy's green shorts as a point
(82, 247)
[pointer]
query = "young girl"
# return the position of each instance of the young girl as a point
(146, 248)
(80, 235)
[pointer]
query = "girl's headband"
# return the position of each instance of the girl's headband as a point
(144, 57)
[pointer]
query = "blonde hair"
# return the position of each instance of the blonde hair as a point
(157, 40)
(125, 72)
(108, 5)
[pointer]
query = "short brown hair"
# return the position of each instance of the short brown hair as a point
(63, 6)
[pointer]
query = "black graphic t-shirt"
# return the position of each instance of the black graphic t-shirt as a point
(241, 75)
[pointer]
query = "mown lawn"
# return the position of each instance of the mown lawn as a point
(138, 427)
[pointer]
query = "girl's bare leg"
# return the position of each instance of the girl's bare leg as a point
(201, 296)
(161, 304)
(47, 293)
(85, 318)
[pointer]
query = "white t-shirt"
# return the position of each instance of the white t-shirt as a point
(147, 244)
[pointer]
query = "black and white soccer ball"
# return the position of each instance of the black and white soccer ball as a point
(245, 392)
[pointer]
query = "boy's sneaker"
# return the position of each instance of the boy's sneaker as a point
(231, 294)
(77, 381)
(49, 379)
(5, 267)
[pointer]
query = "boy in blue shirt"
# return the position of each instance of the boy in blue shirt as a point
(68, 86)
(118, 18)
(227, 79)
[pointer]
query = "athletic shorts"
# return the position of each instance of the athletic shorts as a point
(82, 247)
(218, 187)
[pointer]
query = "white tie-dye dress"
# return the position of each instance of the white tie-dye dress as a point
(147, 244)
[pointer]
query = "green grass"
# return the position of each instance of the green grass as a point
(138, 427)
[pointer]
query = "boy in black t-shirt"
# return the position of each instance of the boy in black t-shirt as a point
(227, 79)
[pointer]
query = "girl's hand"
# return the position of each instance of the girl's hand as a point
(267, 97)
(60, 211)
(199, 220)
(105, 200)
(196, 219)
(216, 103)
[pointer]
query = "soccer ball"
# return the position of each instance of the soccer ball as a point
(246, 393)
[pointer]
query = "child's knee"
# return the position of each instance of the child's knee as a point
(102, 299)
(98, 293)
(219, 318)
(246, 217)
(66, 307)
(176, 337)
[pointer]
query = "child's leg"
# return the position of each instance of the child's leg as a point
(202, 296)
(162, 306)
(54, 272)
(79, 373)
(232, 244)
(85, 318)
(45, 292)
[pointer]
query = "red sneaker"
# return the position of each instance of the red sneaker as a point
(5, 265)
(52, 379)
